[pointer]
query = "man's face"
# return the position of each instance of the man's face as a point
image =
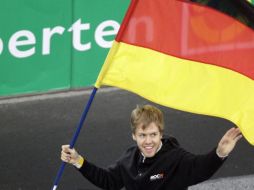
(148, 139)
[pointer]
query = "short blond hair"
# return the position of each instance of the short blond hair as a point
(145, 115)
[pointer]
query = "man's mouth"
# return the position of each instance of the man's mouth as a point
(148, 148)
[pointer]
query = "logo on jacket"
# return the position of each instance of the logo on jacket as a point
(156, 177)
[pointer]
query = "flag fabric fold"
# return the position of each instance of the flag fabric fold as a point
(185, 56)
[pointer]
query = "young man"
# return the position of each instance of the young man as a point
(156, 163)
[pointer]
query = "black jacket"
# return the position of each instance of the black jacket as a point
(172, 168)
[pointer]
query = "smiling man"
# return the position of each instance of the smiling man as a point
(147, 128)
(155, 163)
(148, 139)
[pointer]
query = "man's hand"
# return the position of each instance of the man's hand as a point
(228, 142)
(71, 156)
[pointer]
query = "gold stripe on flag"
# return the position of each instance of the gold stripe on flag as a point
(175, 82)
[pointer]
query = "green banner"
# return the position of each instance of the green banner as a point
(102, 19)
(55, 44)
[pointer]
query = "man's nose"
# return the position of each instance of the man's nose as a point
(148, 139)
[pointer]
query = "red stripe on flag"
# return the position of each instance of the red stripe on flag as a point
(190, 31)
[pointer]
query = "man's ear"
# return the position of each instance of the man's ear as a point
(134, 137)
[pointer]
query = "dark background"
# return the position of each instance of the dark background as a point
(32, 133)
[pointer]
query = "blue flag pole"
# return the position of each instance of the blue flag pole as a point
(75, 136)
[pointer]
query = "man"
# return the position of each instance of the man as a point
(156, 163)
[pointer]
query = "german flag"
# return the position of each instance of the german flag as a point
(187, 56)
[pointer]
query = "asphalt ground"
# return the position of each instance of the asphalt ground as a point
(33, 128)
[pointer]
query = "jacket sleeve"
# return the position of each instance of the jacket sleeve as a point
(105, 178)
(198, 168)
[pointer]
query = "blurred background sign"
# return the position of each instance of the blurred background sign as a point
(54, 45)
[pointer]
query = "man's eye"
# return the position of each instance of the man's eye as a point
(154, 134)
(142, 135)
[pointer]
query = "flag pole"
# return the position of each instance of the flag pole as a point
(75, 136)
